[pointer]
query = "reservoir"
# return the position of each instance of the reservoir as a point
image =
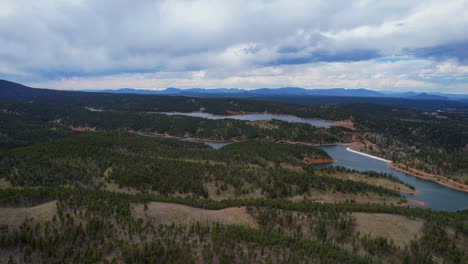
(435, 196)
(213, 144)
(257, 117)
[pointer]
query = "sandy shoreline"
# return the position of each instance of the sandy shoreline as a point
(313, 145)
(401, 191)
(413, 203)
(444, 181)
(368, 155)
(318, 161)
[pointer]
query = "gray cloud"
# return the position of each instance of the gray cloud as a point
(51, 40)
(458, 51)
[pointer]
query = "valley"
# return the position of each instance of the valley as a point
(112, 179)
(232, 132)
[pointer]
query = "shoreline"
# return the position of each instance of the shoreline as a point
(368, 155)
(431, 177)
(441, 180)
(413, 203)
(312, 144)
(401, 191)
(318, 161)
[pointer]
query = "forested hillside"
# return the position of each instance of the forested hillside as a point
(96, 178)
(417, 138)
(170, 166)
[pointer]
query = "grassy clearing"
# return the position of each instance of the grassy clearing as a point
(400, 229)
(15, 216)
(168, 213)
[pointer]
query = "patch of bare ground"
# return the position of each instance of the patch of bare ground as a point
(398, 228)
(168, 213)
(345, 123)
(265, 125)
(318, 161)
(83, 129)
(367, 147)
(15, 216)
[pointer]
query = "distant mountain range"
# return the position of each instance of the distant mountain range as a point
(424, 101)
(287, 91)
(261, 92)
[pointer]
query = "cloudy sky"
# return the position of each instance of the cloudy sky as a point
(394, 45)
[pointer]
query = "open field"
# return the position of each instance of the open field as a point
(399, 228)
(15, 216)
(168, 213)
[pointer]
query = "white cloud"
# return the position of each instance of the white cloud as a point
(228, 43)
(390, 76)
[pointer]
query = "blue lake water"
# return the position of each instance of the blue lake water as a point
(215, 145)
(258, 117)
(435, 196)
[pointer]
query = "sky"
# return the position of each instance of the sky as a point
(416, 45)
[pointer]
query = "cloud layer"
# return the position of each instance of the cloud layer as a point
(80, 44)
